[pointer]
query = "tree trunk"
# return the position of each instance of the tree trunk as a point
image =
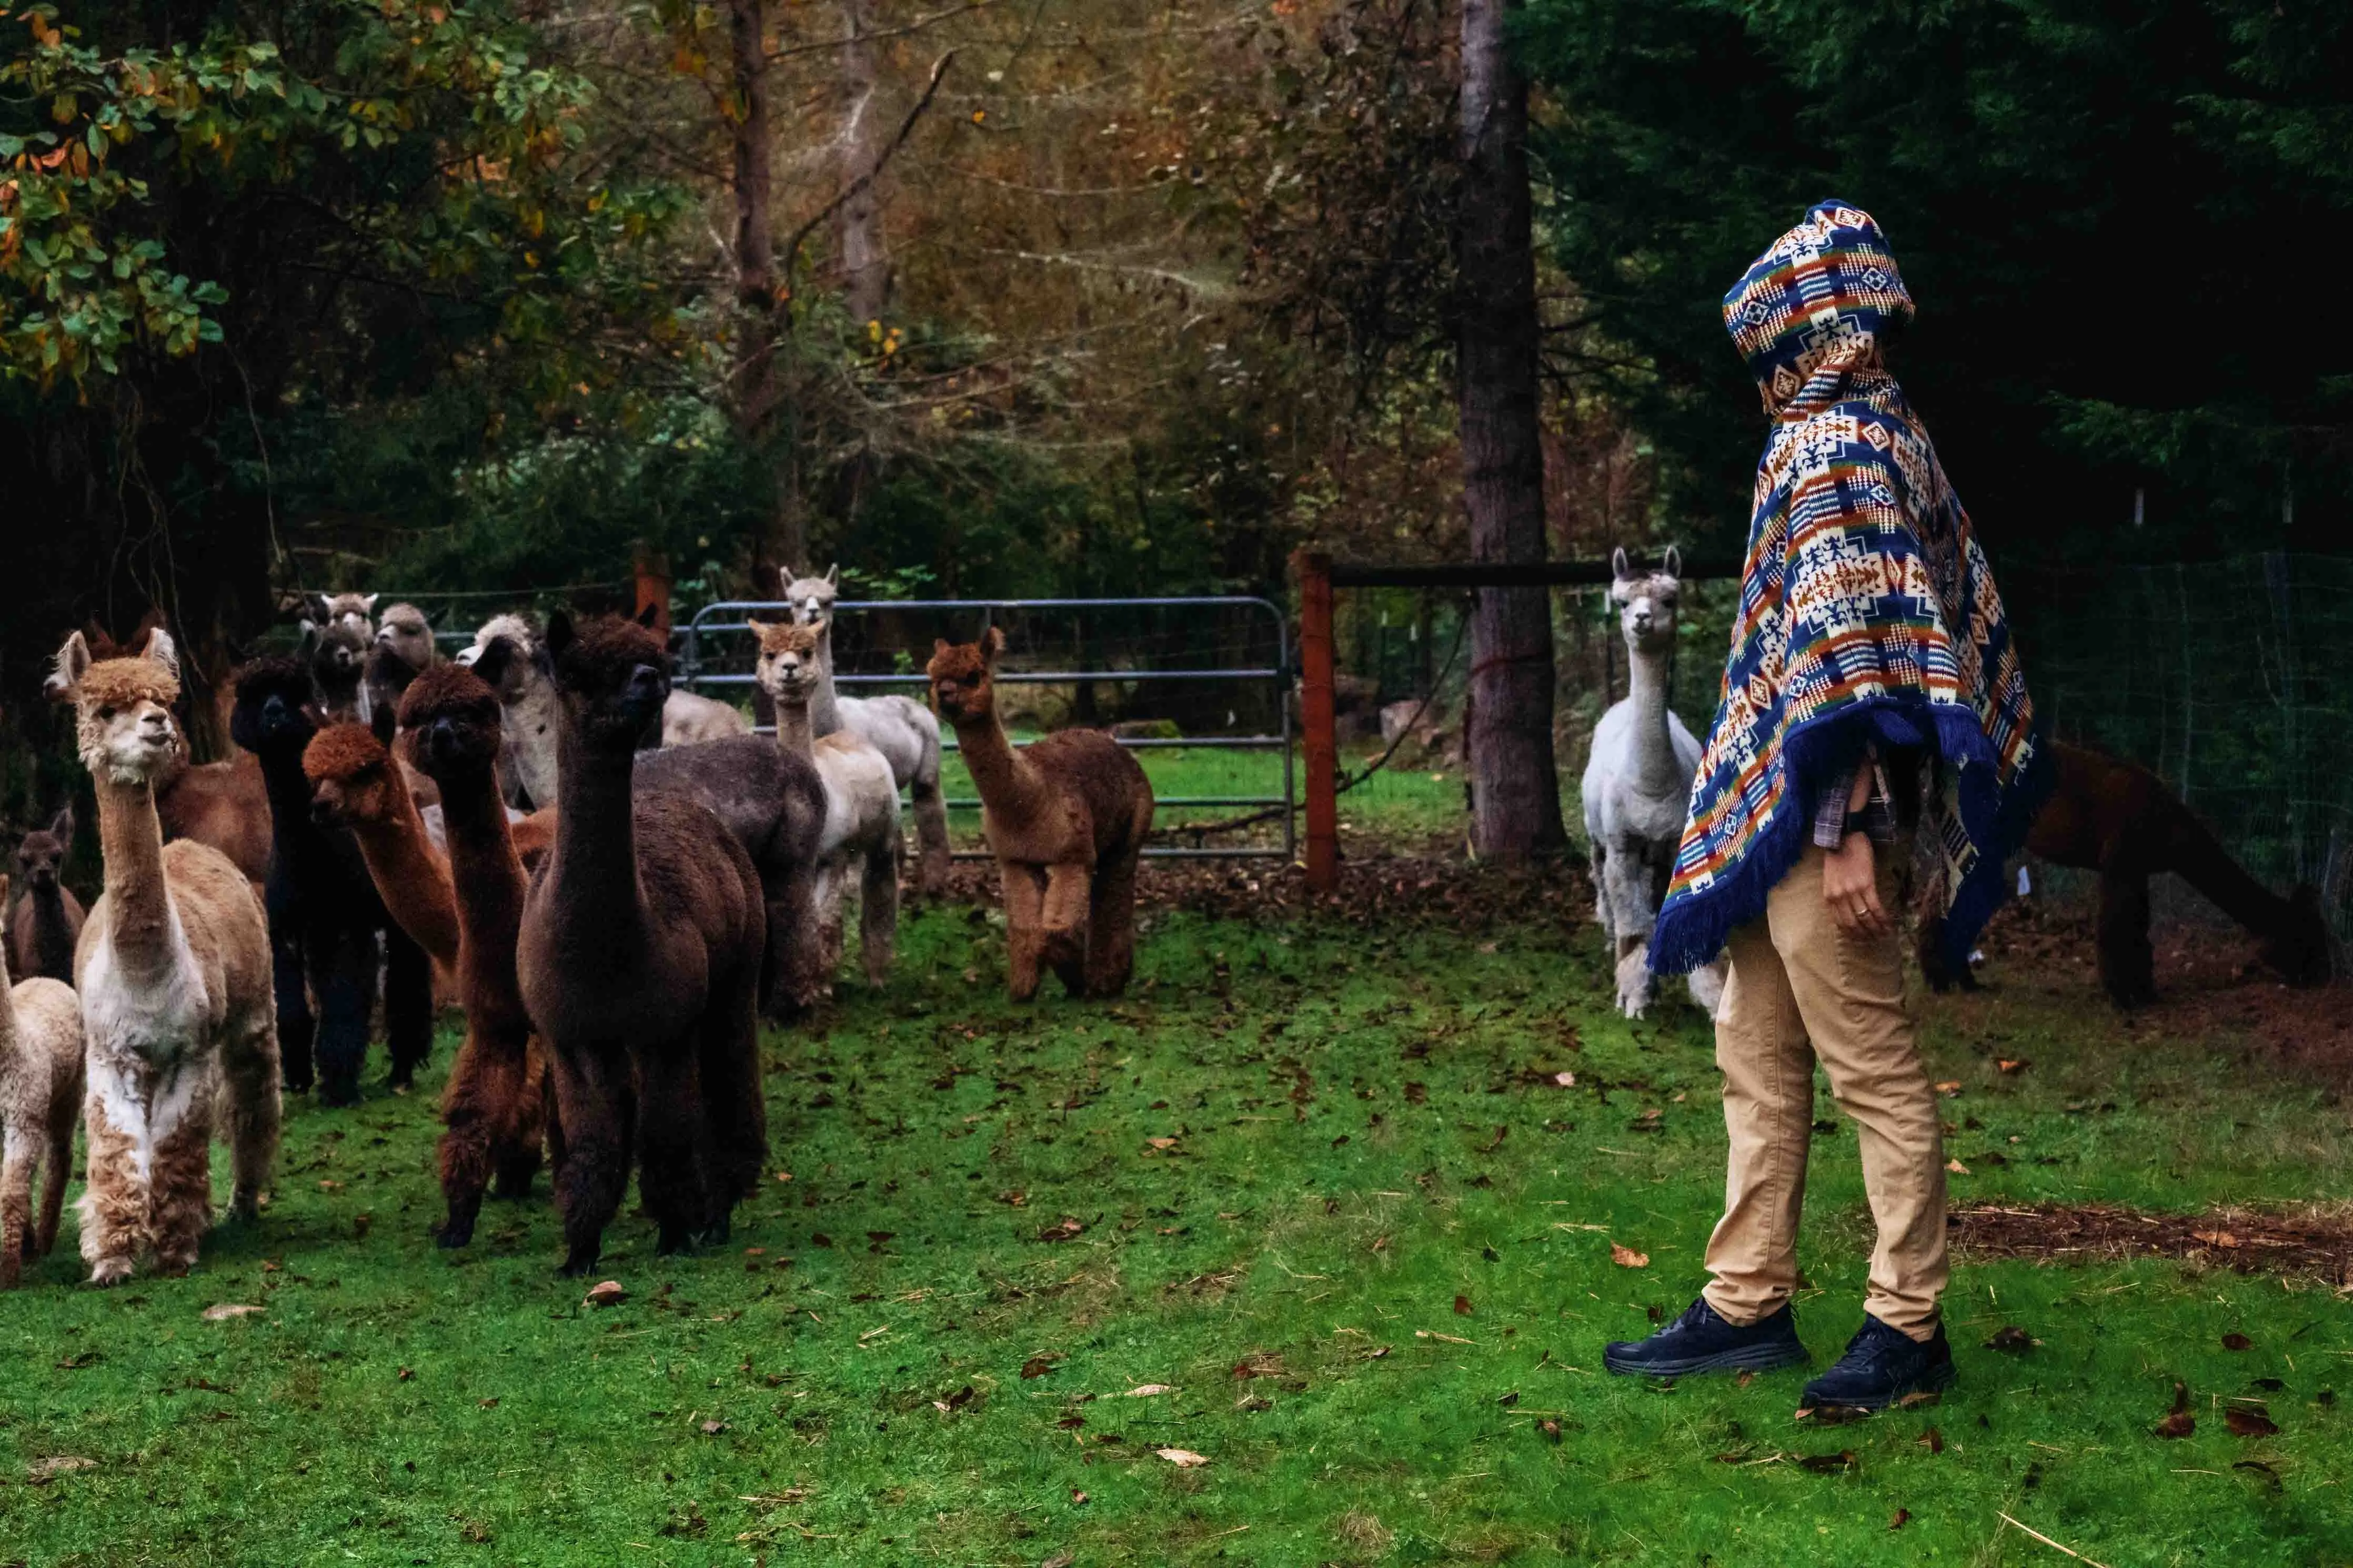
(1515, 794)
(858, 227)
(758, 395)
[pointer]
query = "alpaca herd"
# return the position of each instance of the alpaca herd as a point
(612, 880)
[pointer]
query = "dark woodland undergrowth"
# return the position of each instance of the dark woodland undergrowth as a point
(1317, 1185)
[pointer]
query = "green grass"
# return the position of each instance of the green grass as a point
(1358, 1142)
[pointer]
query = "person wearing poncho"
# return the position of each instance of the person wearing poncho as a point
(1869, 646)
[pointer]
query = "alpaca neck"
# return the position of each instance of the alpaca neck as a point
(824, 706)
(592, 870)
(1656, 772)
(488, 883)
(53, 933)
(533, 722)
(1007, 782)
(7, 1018)
(143, 924)
(411, 878)
(795, 726)
(2206, 866)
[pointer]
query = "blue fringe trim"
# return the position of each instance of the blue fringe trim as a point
(1692, 929)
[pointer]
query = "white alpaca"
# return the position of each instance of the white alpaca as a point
(173, 977)
(529, 710)
(40, 1099)
(1636, 788)
(902, 729)
(862, 802)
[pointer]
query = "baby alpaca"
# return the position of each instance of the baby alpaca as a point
(639, 958)
(40, 1096)
(46, 920)
(173, 977)
(862, 802)
(1066, 819)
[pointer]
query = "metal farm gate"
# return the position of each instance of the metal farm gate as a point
(711, 656)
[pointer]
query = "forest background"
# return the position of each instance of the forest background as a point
(993, 297)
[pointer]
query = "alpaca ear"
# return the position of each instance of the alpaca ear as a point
(367, 602)
(164, 651)
(560, 634)
(992, 643)
(1619, 567)
(61, 827)
(833, 576)
(321, 606)
(73, 663)
(1674, 561)
(940, 646)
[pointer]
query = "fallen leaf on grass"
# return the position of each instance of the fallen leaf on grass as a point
(1462, 1306)
(227, 1309)
(713, 1428)
(605, 1293)
(1253, 1401)
(1147, 1390)
(2012, 1064)
(1160, 1142)
(1627, 1258)
(1550, 1430)
(2235, 1341)
(1833, 1415)
(1918, 1397)
(1062, 1230)
(1902, 1517)
(405, 1375)
(41, 1472)
(1828, 1464)
(1378, 1352)
(2214, 1237)
(2250, 1422)
(2011, 1339)
(1933, 1440)
(1183, 1458)
(1950, 1087)
(1036, 1366)
(1078, 1500)
(1013, 1197)
(2178, 1423)
(1956, 1167)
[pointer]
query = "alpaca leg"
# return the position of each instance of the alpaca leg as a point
(2127, 964)
(468, 1112)
(1025, 904)
(343, 973)
(298, 1028)
(830, 886)
(180, 1192)
(1604, 915)
(931, 823)
(520, 1125)
(1063, 924)
(551, 1111)
(1111, 927)
(796, 974)
(407, 1005)
(592, 1095)
(57, 1170)
(877, 909)
(1632, 923)
(18, 1155)
(251, 1103)
(114, 1200)
(1707, 985)
(671, 1177)
(733, 1104)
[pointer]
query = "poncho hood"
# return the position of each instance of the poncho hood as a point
(1816, 306)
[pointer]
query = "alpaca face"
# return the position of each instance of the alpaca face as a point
(351, 776)
(122, 708)
(963, 677)
(451, 717)
(337, 653)
(274, 712)
(787, 669)
(811, 598)
(613, 676)
(42, 854)
(408, 634)
(350, 611)
(1646, 602)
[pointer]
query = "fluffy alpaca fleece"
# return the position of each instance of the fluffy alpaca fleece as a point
(46, 920)
(2119, 819)
(356, 784)
(1066, 819)
(905, 731)
(40, 1096)
(325, 916)
(639, 958)
(173, 981)
(494, 1112)
(862, 803)
(1637, 788)
(222, 804)
(689, 718)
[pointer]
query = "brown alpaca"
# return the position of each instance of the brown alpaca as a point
(355, 783)
(173, 977)
(494, 1112)
(40, 1099)
(1066, 819)
(2118, 818)
(640, 957)
(225, 805)
(47, 921)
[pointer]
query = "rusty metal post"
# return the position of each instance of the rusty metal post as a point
(1317, 718)
(650, 568)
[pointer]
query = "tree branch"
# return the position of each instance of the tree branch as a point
(859, 186)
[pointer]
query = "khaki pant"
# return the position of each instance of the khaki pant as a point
(1800, 988)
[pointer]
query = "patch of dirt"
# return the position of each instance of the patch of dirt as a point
(2314, 1244)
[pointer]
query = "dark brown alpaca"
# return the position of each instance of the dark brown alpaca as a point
(1066, 819)
(640, 957)
(494, 1111)
(2118, 818)
(46, 920)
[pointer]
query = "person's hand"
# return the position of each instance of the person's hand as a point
(1850, 886)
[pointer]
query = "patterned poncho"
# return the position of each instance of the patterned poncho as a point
(1867, 612)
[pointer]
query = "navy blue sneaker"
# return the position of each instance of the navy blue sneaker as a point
(1701, 1341)
(1880, 1366)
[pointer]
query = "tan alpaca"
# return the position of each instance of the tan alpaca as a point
(40, 1096)
(1066, 819)
(862, 802)
(173, 977)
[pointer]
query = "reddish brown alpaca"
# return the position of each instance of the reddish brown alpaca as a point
(495, 1109)
(1066, 819)
(47, 921)
(640, 957)
(355, 783)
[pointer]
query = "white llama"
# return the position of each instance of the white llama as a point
(862, 802)
(173, 977)
(1638, 786)
(904, 730)
(40, 1099)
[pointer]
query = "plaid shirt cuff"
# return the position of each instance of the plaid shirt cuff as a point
(1830, 815)
(1876, 820)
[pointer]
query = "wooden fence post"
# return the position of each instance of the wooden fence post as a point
(650, 570)
(1316, 720)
